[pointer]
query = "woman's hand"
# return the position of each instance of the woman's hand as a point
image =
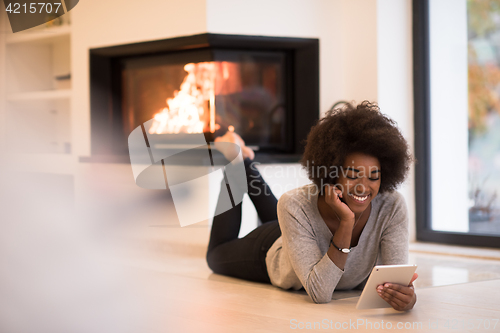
(332, 198)
(401, 298)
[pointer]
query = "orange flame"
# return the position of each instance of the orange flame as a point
(192, 109)
(184, 112)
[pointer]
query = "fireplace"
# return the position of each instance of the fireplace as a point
(264, 88)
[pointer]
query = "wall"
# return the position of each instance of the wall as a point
(295, 18)
(346, 29)
(358, 46)
(395, 78)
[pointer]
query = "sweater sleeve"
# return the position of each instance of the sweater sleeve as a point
(315, 270)
(394, 238)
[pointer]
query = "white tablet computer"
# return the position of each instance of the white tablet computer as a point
(400, 274)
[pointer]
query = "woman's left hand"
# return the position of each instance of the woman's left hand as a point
(401, 298)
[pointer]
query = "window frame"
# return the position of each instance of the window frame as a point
(422, 127)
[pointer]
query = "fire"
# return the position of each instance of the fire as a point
(185, 112)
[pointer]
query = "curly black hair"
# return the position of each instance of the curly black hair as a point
(356, 129)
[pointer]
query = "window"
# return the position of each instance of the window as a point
(457, 120)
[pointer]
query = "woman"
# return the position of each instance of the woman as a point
(330, 234)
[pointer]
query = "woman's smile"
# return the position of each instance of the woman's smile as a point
(359, 199)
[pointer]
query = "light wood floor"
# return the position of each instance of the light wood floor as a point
(139, 271)
(218, 305)
(181, 294)
(155, 279)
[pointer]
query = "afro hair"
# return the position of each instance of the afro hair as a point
(357, 129)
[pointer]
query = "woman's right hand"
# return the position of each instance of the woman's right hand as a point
(332, 198)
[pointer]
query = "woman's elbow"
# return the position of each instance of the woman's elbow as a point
(318, 293)
(321, 299)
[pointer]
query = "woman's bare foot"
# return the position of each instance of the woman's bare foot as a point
(229, 151)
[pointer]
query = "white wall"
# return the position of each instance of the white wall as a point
(346, 29)
(395, 78)
(289, 18)
(358, 45)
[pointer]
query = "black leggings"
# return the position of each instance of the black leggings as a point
(244, 258)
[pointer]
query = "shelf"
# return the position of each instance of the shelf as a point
(36, 108)
(47, 35)
(46, 163)
(38, 126)
(40, 95)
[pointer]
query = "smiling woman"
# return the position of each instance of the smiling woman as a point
(329, 234)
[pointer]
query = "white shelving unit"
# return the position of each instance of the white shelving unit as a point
(37, 94)
(3, 25)
(40, 95)
(40, 35)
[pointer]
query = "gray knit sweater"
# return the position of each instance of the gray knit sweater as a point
(298, 258)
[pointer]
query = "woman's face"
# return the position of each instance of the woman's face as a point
(359, 180)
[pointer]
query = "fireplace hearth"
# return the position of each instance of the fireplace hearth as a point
(264, 88)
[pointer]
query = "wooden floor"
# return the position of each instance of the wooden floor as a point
(155, 279)
(217, 305)
(181, 294)
(126, 265)
(174, 290)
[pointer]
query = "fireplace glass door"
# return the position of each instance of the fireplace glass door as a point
(210, 91)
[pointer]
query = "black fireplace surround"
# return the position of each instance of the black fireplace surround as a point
(299, 88)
